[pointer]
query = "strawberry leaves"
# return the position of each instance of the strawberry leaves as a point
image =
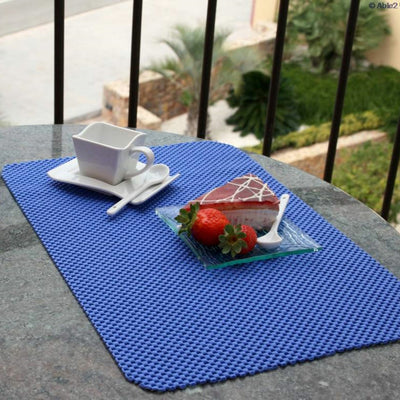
(232, 240)
(187, 218)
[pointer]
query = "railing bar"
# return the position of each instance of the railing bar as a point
(341, 89)
(59, 14)
(275, 76)
(394, 163)
(206, 68)
(135, 63)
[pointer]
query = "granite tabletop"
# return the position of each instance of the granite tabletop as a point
(49, 349)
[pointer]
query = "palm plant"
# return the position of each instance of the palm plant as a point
(322, 24)
(185, 68)
(250, 100)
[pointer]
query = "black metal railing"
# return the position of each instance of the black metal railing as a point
(205, 83)
(341, 89)
(135, 63)
(394, 163)
(207, 65)
(275, 76)
(59, 16)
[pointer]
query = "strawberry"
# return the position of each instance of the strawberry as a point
(238, 239)
(250, 239)
(206, 225)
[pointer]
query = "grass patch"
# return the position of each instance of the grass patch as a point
(365, 180)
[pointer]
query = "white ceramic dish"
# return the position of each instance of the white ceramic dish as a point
(69, 173)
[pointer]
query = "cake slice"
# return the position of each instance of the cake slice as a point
(244, 200)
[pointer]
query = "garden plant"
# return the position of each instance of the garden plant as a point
(184, 67)
(321, 26)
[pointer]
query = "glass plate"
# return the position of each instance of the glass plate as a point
(295, 241)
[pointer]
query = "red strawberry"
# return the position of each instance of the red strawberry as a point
(209, 224)
(238, 239)
(250, 239)
(206, 225)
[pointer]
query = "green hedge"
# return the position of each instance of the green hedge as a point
(351, 123)
(376, 89)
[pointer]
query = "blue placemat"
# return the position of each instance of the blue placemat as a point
(170, 323)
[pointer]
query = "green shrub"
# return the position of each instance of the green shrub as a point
(376, 89)
(391, 119)
(251, 99)
(351, 123)
(366, 180)
(314, 93)
(322, 24)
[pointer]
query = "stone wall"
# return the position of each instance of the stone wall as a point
(160, 95)
(158, 101)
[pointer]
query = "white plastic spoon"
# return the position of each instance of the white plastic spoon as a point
(272, 240)
(155, 174)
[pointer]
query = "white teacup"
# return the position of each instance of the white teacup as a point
(110, 153)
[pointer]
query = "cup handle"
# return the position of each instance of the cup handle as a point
(149, 159)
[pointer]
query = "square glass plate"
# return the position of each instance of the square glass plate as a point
(295, 241)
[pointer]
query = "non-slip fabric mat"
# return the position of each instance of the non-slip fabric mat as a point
(170, 323)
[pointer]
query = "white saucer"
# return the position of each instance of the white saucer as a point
(69, 173)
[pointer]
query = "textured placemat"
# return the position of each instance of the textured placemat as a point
(170, 323)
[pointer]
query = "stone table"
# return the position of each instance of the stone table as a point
(49, 349)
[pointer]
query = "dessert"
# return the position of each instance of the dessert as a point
(245, 200)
